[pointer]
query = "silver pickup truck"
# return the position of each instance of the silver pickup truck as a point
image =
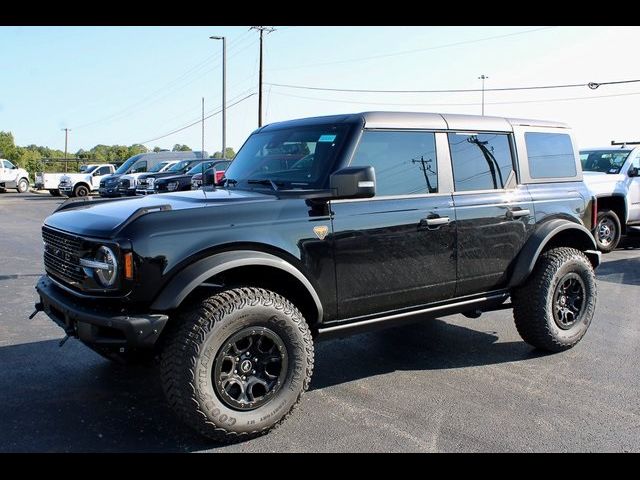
(613, 176)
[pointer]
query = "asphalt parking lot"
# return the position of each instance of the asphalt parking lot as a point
(452, 384)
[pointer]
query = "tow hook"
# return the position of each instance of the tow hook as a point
(38, 308)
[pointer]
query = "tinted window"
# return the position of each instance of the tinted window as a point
(140, 166)
(272, 153)
(550, 155)
(605, 161)
(405, 162)
(8, 164)
(481, 161)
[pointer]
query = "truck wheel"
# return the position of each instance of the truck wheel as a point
(80, 191)
(23, 185)
(554, 308)
(55, 193)
(607, 231)
(236, 365)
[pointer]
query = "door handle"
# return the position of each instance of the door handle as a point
(518, 213)
(434, 222)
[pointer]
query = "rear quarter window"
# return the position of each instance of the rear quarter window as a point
(550, 155)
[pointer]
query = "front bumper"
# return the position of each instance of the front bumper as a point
(91, 324)
(65, 188)
(127, 192)
(109, 191)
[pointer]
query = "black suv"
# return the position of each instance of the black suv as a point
(146, 182)
(184, 182)
(326, 226)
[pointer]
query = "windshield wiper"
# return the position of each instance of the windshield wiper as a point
(265, 181)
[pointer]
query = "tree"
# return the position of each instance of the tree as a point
(157, 149)
(230, 154)
(7, 146)
(181, 148)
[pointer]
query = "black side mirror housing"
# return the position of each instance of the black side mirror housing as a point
(353, 182)
(633, 172)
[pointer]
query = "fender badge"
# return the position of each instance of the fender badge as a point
(321, 231)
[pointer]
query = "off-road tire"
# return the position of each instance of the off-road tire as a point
(191, 348)
(23, 185)
(610, 218)
(55, 193)
(80, 191)
(533, 302)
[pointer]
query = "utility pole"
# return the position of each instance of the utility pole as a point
(483, 78)
(261, 29)
(224, 93)
(202, 151)
(425, 167)
(66, 137)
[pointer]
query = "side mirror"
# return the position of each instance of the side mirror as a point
(633, 172)
(353, 182)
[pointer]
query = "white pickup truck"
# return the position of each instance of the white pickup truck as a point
(13, 177)
(613, 176)
(81, 184)
(51, 181)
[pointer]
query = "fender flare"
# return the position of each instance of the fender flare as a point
(190, 277)
(529, 254)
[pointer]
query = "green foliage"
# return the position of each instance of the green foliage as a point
(181, 148)
(230, 154)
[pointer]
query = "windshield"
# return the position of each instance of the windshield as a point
(125, 166)
(605, 161)
(295, 157)
(198, 168)
(180, 167)
(159, 167)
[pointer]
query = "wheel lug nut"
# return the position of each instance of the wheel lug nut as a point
(255, 359)
(235, 371)
(237, 359)
(244, 378)
(253, 372)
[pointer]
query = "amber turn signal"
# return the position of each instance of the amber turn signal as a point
(128, 266)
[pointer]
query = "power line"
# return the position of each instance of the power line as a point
(455, 104)
(591, 85)
(406, 52)
(197, 122)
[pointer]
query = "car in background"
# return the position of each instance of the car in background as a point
(87, 181)
(178, 183)
(146, 182)
(212, 175)
(613, 176)
(13, 177)
(111, 186)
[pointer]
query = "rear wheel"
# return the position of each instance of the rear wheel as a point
(80, 191)
(608, 231)
(23, 185)
(236, 365)
(555, 306)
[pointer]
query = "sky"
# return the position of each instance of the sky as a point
(126, 85)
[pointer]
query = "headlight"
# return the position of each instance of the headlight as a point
(171, 186)
(105, 266)
(151, 181)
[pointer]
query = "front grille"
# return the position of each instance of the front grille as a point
(61, 255)
(125, 184)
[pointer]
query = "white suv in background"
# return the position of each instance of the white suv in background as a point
(613, 175)
(13, 177)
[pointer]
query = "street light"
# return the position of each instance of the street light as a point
(483, 78)
(224, 93)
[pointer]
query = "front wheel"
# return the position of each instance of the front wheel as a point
(236, 365)
(555, 306)
(23, 185)
(608, 231)
(80, 191)
(55, 193)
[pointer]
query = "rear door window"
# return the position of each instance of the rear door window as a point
(550, 155)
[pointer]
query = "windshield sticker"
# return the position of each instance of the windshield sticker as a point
(613, 170)
(327, 138)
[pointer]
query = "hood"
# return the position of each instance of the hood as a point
(592, 178)
(173, 178)
(104, 218)
(111, 178)
(157, 175)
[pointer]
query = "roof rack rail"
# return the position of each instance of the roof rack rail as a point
(624, 144)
